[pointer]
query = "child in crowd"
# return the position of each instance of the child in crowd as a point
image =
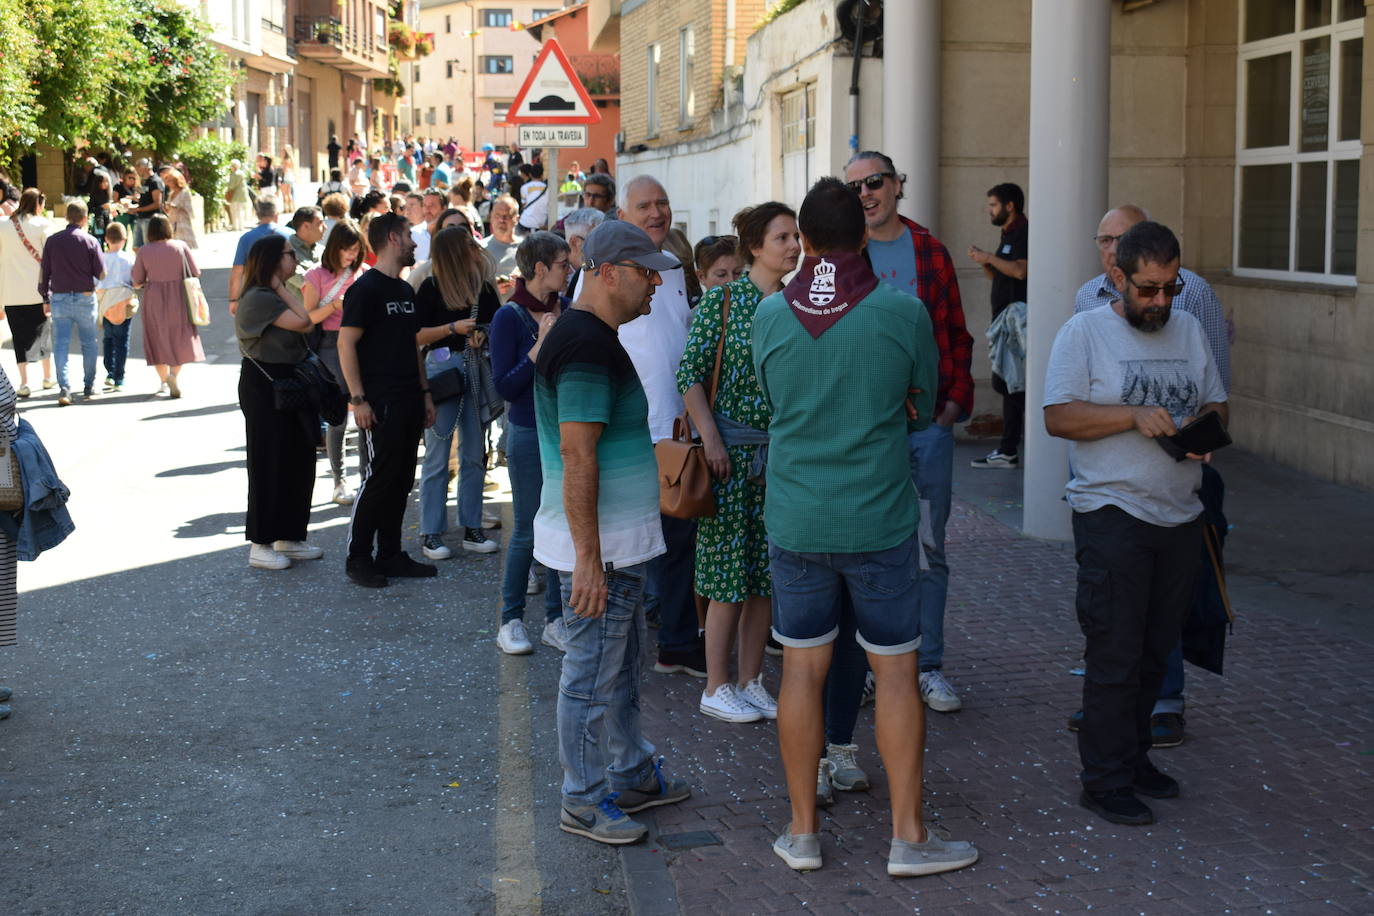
(117, 304)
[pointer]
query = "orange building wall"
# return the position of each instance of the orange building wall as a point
(571, 32)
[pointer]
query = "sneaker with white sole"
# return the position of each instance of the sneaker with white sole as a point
(555, 635)
(476, 540)
(996, 459)
(845, 772)
(535, 585)
(433, 547)
(603, 822)
(935, 855)
(757, 696)
(937, 692)
(825, 793)
(298, 550)
(801, 852)
(490, 521)
(655, 790)
(511, 638)
(262, 556)
(727, 705)
(343, 494)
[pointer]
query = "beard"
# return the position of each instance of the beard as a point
(1000, 217)
(1148, 318)
(408, 259)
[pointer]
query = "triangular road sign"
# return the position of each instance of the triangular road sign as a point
(552, 93)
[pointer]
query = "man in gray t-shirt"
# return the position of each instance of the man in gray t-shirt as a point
(1119, 377)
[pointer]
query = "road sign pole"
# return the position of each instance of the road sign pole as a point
(552, 184)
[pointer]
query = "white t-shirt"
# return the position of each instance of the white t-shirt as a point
(420, 234)
(655, 343)
(534, 198)
(119, 269)
(1098, 357)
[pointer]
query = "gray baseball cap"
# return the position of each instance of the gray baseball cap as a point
(619, 242)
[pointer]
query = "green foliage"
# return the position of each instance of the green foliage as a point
(110, 73)
(777, 8)
(207, 159)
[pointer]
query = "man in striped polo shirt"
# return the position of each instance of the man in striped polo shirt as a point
(598, 524)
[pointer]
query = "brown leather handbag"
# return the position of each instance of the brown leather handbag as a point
(684, 478)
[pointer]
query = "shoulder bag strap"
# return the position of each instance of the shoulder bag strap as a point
(185, 264)
(720, 345)
(530, 324)
(25, 239)
(334, 290)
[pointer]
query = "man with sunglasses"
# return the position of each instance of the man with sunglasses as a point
(906, 256)
(1119, 377)
(1197, 299)
(1006, 268)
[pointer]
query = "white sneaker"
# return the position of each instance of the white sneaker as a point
(938, 694)
(262, 556)
(757, 696)
(727, 705)
(298, 550)
(343, 496)
(476, 540)
(536, 582)
(555, 635)
(996, 459)
(490, 521)
(511, 639)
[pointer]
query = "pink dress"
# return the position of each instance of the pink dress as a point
(169, 338)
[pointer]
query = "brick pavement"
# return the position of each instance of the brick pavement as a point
(1275, 815)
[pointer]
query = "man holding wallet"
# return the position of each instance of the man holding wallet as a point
(1119, 377)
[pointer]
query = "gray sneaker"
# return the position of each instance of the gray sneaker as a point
(825, 795)
(907, 860)
(655, 790)
(801, 852)
(845, 772)
(603, 822)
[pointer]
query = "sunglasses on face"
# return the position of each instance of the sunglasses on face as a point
(713, 239)
(1149, 291)
(872, 182)
(649, 272)
(1105, 241)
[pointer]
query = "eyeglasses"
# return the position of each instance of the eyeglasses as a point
(564, 265)
(595, 195)
(1149, 291)
(1105, 241)
(872, 182)
(649, 272)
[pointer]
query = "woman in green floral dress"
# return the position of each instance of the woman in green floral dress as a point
(732, 550)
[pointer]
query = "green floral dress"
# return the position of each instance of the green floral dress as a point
(732, 549)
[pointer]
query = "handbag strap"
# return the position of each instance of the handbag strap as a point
(720, 345)
(334, 290)
(260, 368)
(185, 264)
(18, 227)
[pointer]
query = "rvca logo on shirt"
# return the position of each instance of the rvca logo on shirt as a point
(407, 307)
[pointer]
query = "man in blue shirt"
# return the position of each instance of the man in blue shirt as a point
(267, 224)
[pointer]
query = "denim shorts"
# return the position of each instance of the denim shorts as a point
(882, 585)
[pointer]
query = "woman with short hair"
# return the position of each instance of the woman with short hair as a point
(169, 339)
(271, 328)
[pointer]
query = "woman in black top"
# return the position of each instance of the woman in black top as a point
(267, 176)
(460, 287)
(271, 326)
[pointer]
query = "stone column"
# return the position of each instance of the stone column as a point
(911, 104)
(1070, 83)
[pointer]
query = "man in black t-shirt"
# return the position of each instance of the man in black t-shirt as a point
(1006, 267)
(387, 387)
(149, 200)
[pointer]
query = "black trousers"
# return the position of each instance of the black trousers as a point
(281, 459)
(1013, 417)
(1135, 581)
(391, 446)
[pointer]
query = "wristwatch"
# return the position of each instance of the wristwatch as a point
(355, 400)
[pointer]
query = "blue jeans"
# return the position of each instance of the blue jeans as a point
(598, 694)
(141, 231)
(932, 471)
(1170, 697)
(807, 589)
(458, 414)
(671, 575)
(74, 310)
(116, 346)
(526, 484)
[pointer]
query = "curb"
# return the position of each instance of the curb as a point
(648, 886)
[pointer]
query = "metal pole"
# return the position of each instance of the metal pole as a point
(472, 68)
(1070, 88)
(552, 184)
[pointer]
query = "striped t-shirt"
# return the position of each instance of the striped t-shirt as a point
(584, 375)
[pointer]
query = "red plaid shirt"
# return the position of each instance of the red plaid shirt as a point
(938, 287)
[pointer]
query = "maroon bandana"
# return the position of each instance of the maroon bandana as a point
(827, 287)
(523, 296)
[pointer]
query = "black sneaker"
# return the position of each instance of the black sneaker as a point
(64, 397)
(1166, 729)
(773, 647)
(688, 661)
(88, 392)
(1148, 780)
(476, 540)
(403, 567)
(364, 572)
(1076, 721)
(1120, 806)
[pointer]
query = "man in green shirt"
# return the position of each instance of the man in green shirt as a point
(847, 365)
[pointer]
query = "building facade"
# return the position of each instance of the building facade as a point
(599, 73)
(1239, 123)
(482, 52)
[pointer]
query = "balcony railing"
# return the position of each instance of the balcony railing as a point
(329, 39)
(600, 73)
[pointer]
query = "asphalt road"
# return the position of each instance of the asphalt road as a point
(194, 736)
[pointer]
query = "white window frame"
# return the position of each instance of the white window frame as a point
(490, 18)
(499, 112)
(686, 75)
(1336, 151)
(486, 64)
(651, 96)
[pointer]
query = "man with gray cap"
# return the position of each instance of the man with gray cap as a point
(598, 524)
(149, 200)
